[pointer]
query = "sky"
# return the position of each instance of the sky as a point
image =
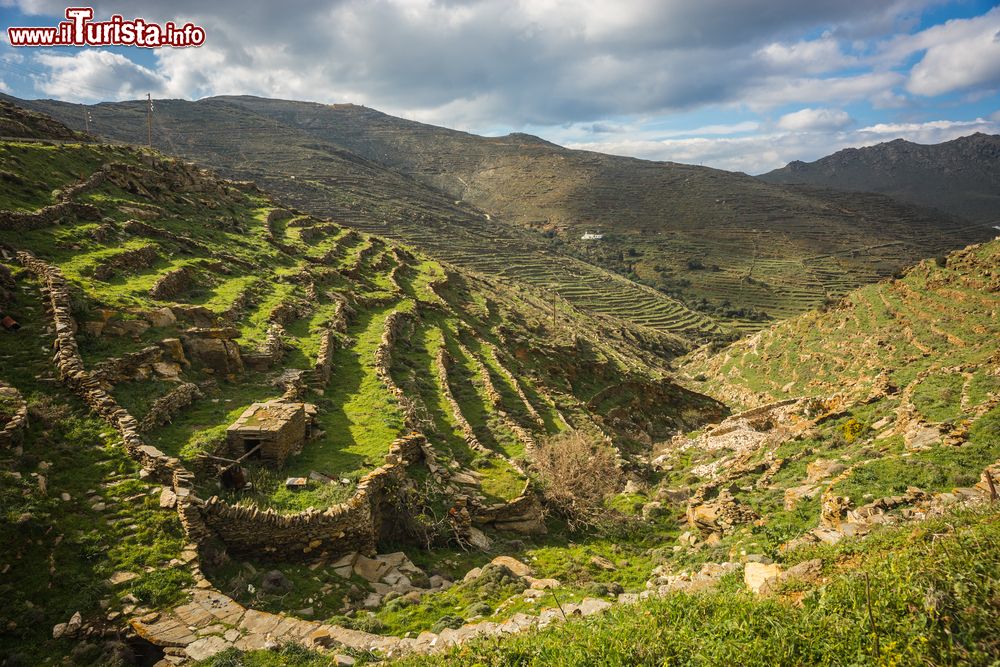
(734, 84)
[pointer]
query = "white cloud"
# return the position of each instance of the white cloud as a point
(91, 75)
(520, 62)
(956, 55)
(4, 88)
(807, 57)
(807, 119)
(762, 152)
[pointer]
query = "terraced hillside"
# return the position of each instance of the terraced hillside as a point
(932, 336)
(329, 181)
(729, 246)
(418, 510)
(175, 301)
(960, 176)
(782, 531)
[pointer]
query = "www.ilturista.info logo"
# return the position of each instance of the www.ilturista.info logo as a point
(79, 30)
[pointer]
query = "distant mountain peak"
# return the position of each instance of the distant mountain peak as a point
(960, 176)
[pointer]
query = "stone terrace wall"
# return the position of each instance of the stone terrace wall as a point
(128, 261)
(47, 216)
(354, 525)
(71, 370)
(168, 405)
(172, 283)
(11, 431)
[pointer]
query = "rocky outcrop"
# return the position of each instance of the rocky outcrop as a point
(128, 366)
(214, 348)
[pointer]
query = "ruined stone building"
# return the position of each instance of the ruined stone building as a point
(277, 427)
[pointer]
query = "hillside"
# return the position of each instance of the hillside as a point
(855, 524)
(729, 246)
(417, 508)
(329, 181)
(961, 176)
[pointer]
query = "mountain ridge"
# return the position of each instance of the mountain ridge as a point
(960, 176)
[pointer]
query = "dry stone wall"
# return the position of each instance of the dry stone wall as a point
(129, 261)
(172, 283)
(354, 525)
(10, 432)
(168, 405)
(47, 216)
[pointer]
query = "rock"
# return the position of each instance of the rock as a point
(796, 493)
(370, 569)
(167, 498)
(472, 574)
(603, 563)
(341, 660)
(755, 575)
(805, 571)
(58, 630)
(437, 581)
(74, 624)
(160, 317)
(122, 577)
(632, 486)
(372, 601)
(512, 564)
(652, 510)
(275, 583)
(206, 647)
(478, 539)
(167, 370)
(126, 327)
(174, 350)
(93, 328)
(757, 558)
(219, 354)
(833, 509)
(823, 469)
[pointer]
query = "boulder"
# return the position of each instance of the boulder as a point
(275, 583)
(755, 575)
(514, 565)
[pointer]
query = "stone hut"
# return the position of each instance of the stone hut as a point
(277, 427)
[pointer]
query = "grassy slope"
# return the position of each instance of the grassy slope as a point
(939, 320)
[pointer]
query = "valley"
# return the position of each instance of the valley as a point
(349, 413)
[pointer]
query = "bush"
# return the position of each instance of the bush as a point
(577, 475)
(453, 622)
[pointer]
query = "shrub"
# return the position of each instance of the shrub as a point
(577, 475)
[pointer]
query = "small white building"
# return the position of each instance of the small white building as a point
(592, 236)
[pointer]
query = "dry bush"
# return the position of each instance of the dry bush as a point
(577, 474)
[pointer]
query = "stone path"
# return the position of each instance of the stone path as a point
(211, 622)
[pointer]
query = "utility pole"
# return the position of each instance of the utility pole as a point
(149, 120)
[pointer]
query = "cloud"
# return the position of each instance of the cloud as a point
(769, 150)
(96, 74)
(806, 120)
(813, 57)
(953, 56)
(519, 62)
